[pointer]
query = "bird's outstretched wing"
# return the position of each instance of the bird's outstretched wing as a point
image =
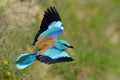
(51, 25)
(49, 60)
(53, 55)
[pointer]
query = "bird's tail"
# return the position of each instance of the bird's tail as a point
(25, 60)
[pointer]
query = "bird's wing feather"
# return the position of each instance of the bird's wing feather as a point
(54, 55)
(49, 60)
(50, 20)
(53, 30)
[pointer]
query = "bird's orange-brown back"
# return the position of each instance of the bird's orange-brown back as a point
(44, 43)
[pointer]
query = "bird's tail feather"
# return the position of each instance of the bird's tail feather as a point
(24, 60)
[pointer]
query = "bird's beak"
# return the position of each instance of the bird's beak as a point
(68, 46)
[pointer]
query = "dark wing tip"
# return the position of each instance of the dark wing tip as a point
(48, 60)
(50, 15)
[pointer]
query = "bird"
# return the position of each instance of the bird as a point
(52, 50)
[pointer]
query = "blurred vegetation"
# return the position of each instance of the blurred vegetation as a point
(91, 26)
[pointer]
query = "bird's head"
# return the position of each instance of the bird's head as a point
(63, 44)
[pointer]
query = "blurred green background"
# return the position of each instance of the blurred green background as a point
(91, 26)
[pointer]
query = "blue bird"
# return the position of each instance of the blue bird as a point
(53, 49)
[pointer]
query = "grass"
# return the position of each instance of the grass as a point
(88, 27)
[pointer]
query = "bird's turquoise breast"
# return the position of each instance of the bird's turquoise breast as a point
(55, 53)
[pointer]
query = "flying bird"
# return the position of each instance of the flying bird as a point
(51, 50)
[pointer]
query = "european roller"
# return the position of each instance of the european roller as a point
(51, 50)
